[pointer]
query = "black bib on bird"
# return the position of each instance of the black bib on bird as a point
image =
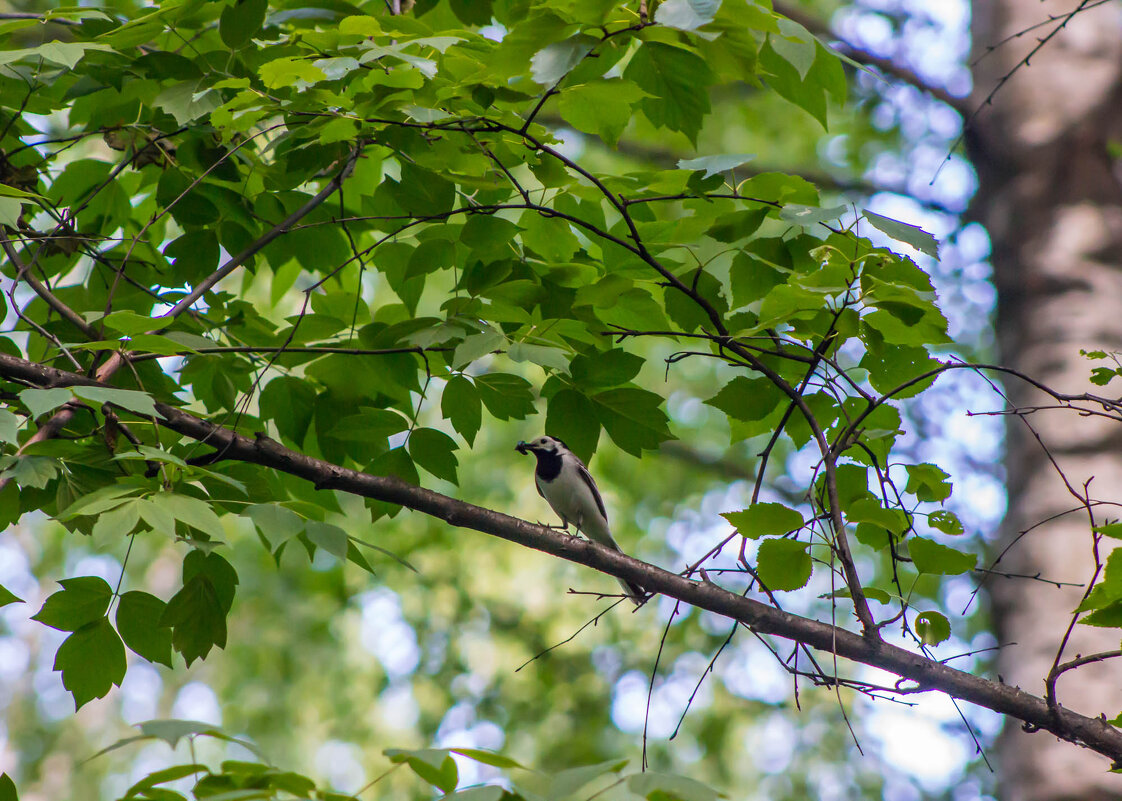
(549, 465)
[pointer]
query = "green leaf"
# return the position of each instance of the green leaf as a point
(946, 522)
(476, 346)
(191, 512)
(686, 15)
(928, 482)
(276, 523)
(603, 108)
(564, 784)
(541, 355)
(91, 661)
(676, 80)
(81, 601)
(715, 165)
(784, 564)
(571, 417)
(933, 627)
(667, 786)
(633, 418)
(8, 788)
(904, 232)
(240, 22)
(139, 402)
(554, 61)
(765, 520)
(34, 471)
(138, 621)
(41, 401)
(435, 452)
(460, 404)
(433, 765)
(507, 397)
(283, 72)
(329, 537)
(197, 613)
(8, 597)
(487, 757)
(932, 557)
(9, 426)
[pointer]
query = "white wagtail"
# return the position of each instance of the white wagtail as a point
(565, 483)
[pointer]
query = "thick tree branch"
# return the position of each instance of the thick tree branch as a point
(927, 674)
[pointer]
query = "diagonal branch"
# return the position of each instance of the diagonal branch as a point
(927, 674)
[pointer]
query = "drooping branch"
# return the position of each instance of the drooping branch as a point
(925, 674)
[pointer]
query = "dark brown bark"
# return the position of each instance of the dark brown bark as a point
(1051, 200)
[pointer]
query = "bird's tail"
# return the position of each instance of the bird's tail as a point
(634, 592)
(602, 534)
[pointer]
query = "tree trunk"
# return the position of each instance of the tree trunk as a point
(1051, 197)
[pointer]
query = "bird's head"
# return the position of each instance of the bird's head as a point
(542, 444)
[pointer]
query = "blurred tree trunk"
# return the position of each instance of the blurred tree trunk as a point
(1051, 197)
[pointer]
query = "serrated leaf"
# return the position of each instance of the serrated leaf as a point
(81, 601)
(784, 564)
(92, 661)
(765, 520)
(676, 80)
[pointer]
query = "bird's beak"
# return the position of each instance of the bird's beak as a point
(522, 447)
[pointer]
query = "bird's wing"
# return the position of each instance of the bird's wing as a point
(586, 477)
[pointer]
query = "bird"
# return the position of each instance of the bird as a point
(565, 483)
